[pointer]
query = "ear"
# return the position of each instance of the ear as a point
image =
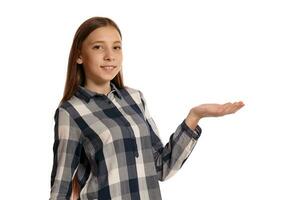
(79, 60)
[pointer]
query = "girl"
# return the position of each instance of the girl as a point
(107, 145)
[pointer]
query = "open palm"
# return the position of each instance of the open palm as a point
(216, 110)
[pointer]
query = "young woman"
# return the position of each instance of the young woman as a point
(107, 145)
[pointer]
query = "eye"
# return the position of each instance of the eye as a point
(97, 47)
(118, 47)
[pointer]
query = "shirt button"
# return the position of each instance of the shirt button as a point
(108, 101)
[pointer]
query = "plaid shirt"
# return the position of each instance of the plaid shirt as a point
(111, 143)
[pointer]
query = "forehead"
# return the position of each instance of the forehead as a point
(105, 34)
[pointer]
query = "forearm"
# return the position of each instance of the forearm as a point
(169, 158)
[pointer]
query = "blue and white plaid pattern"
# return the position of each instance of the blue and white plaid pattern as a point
(111, 143)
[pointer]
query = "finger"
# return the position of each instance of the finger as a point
(229, 108)
(237, 106)
(240, 104)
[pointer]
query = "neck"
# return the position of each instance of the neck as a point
(103, 88)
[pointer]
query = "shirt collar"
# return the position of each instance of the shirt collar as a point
(87, 94)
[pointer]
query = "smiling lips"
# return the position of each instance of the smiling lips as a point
(108, 67)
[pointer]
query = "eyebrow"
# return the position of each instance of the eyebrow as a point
(101, 41)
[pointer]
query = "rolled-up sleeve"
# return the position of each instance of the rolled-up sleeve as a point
(169, 158)
(66, 149)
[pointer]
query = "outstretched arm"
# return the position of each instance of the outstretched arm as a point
(170, 157)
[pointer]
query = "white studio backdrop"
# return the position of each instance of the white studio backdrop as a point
(180, 54)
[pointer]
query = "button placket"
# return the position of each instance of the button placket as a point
(128, 127)
(133, 139)
(108, 101)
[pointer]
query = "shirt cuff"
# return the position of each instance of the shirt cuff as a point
(192, 133)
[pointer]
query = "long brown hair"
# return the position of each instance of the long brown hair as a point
(75, 72)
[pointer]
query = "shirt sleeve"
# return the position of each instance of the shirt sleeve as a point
(169, 158)
(66, 149)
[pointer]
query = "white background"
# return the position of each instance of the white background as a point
(180, 54)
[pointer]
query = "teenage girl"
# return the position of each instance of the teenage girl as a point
(106, 144)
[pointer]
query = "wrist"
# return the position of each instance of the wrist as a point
(192, 119)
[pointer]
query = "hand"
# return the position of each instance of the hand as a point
(211, 110)
(216, 110)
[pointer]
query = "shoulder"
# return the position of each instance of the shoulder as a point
(131, 90)
(135, 93)
(71, 107)
(73, 102)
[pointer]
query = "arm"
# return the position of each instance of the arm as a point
(66, 148)
(169, 158)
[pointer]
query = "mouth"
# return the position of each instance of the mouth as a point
(108, 67)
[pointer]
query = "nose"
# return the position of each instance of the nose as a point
(109, 55)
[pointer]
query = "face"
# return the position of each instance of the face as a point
(101, 55)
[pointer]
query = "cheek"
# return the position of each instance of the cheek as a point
(93, 60)
(120, 58)
(92, 57)
(91, 63)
